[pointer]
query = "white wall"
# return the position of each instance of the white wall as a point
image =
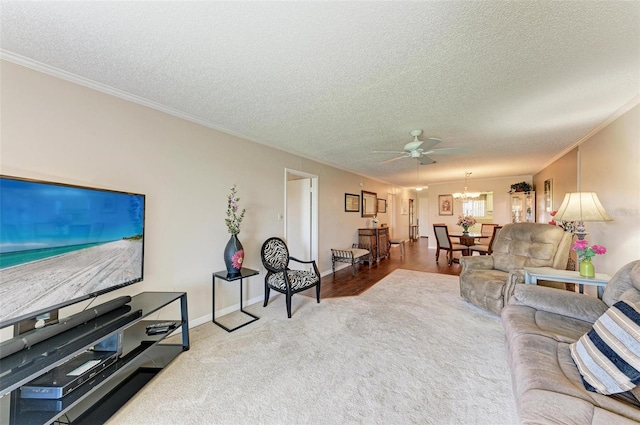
(59, 131)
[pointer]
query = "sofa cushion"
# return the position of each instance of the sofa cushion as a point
(608, 356)
(549, 388)
(624, 285)
(530, 245)
(523, 319)
(484, 288)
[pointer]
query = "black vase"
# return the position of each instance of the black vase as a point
(233, 256)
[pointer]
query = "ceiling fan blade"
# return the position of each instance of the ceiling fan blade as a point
(425, 160)
(430, 142)
(447, 151)
(396, 152)
(393, 159)
(411, 146)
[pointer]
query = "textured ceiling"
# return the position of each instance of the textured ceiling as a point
(519, 82)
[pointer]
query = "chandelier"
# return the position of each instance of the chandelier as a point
(465, 196)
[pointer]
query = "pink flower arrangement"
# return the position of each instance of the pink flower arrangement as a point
(233, 219)
(586, 252)
(466, 221)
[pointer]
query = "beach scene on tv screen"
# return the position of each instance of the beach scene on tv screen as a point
(59, 243)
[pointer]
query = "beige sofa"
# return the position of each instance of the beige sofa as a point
(540, 323)
(488, 280)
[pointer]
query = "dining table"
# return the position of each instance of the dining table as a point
(469, 238)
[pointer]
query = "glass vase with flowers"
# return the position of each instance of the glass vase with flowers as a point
(466, 221)
(233, 251)
(585, 254)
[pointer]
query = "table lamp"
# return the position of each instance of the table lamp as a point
(581, 207)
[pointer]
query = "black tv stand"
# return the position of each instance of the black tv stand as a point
(97, 399)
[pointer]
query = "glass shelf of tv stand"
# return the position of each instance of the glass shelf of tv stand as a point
(22, 367)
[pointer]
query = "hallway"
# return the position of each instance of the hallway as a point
(417, 257)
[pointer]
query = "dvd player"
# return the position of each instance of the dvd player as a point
(60, 381)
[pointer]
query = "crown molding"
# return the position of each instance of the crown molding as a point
(103, 88)
(633, 102)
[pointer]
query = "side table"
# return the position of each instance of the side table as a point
(532, 274)
(230, 278)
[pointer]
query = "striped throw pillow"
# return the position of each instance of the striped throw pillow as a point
(608, 356)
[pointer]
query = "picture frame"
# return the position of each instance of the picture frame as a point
(445, 204)
(369, 204)
(351, 202)
(548, 196)
(382, 205)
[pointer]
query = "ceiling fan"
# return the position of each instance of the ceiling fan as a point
(420, 149)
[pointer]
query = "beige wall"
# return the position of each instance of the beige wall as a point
(564, 179)
(59, 131)
(55, 130)
(610, 166)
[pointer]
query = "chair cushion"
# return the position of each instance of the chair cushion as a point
(299, 279)
(479, 248)
(608, 356)
(275, 253)
(456, 246)
(358, 252)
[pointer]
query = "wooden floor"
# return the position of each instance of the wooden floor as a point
(417, 257)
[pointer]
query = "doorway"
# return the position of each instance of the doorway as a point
(301, 214)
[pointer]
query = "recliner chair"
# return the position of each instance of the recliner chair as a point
(488, 280)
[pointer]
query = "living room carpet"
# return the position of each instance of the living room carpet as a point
(407, 351)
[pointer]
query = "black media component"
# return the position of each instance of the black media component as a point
(65, 378)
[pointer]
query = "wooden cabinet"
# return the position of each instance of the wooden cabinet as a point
(523, 207)
(376, 240)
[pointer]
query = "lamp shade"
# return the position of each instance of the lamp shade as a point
(581, 206)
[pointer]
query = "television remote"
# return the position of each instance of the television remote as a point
(162, 325)
(158, 331)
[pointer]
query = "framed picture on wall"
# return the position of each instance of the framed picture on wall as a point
(445, 204)
(351, 202)
(382, 205)
(548, 195)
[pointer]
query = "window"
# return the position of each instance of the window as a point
(475, 208)
(481, 208)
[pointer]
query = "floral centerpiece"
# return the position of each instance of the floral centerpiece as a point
(233, 219)
(466, 221)
(585, 254)
(375, 220)
(233, 252)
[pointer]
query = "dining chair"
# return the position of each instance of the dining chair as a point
(485, 249)
(487, 230)
(444, 242)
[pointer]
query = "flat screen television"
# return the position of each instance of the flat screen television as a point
(61, 244)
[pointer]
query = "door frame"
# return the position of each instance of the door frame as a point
(314, 207)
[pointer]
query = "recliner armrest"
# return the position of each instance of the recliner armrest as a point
(571, 304)
(481, 262)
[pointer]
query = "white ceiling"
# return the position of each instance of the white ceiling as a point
(519, 82)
